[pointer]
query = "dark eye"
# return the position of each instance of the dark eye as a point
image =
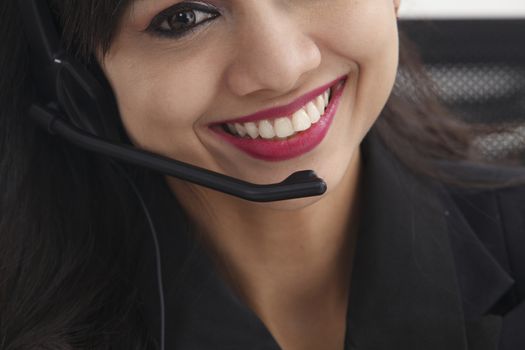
(180, 19)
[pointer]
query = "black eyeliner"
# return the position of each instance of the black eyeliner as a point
(156, 22)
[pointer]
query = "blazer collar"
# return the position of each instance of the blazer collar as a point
(406, 289)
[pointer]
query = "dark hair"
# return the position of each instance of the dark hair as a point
(68, 222)
(70, 225)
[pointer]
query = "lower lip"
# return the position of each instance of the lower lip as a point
(301, 143)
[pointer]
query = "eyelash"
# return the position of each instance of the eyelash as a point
(165, 16)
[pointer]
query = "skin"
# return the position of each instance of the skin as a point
(289, 261)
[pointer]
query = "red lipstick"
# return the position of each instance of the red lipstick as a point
(279, 150)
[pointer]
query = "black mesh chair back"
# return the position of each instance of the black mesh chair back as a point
(478, 69)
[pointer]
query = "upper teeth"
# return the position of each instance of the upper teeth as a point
(284, 127)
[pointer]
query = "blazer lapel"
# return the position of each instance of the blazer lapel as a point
(405, 292)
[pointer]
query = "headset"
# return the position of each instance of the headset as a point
(73, 104)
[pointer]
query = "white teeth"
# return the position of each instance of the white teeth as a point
(319, 103)
(313, 113)
(301, 120)
(252, 130)
(266, 130)
(241, 130)
(283, 127)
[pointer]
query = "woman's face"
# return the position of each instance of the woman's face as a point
(181, 71)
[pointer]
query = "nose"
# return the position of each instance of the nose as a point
(272, 54)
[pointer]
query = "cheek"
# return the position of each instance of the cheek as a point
(161, 102)
(367, 35)
(361, 27)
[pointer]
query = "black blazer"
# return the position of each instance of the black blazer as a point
(436, 267)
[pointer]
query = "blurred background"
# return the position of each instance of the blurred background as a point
(463, 9)
(474, 52)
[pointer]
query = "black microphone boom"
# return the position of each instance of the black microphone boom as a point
(298, 185)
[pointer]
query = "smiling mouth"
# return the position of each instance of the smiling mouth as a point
(283, 128)
(285, 132)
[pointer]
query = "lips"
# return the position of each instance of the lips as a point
(285, 132)
(283, 127)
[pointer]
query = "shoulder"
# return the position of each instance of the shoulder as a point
(486, 189)
(494, 206)
(497, 194)
(496, 216)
